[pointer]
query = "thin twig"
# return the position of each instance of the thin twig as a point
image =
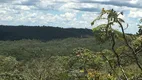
(133, 51)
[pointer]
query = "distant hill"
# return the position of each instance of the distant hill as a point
(40, 32)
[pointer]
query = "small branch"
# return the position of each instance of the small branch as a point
(139, 51)
(117, 56)
(133, 51)
(109, 64)
(113, 45)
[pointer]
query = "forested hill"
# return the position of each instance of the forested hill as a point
(40, 32)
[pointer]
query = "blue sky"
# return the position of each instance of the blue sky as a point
(67, 13)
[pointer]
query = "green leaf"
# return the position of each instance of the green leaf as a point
(92, 23)
(121, 20)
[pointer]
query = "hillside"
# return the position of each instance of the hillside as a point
(26, 49)
(43, 33)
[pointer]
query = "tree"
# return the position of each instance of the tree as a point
(108, 32)
(140, 28)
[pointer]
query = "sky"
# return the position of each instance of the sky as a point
(67, 13)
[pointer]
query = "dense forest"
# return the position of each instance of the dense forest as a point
(102, 53)
(43, 33)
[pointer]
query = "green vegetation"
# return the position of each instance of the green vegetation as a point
(23, 58)
(107, 32)
(110, 55)
(27, 49)
(44, 33)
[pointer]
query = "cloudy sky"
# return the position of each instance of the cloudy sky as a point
(66, 13)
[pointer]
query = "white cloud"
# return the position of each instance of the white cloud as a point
(68, 16)
(64, 13)
(133, 1)
(6, 18)
(135, 13)
(23, 7)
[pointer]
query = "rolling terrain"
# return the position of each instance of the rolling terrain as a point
(43, 33)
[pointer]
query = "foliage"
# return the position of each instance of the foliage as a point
(112, 55)
(107, 32)
(140, 28)
(82, 64)
(10, 69)
(44, 33)
(29, 49)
